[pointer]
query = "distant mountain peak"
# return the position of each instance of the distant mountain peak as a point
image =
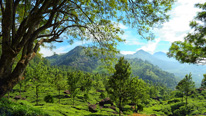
(141, 52)
(159, 53)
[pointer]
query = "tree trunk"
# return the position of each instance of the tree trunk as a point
(9, 78)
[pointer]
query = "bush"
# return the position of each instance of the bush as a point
(200, 97)
(178, 94)
(176, 106)
(140, 107)
(86, 97)
(167, 110)
(173, 101)
(48, 99)
(183, 110)
(102, 95)
(9, 108)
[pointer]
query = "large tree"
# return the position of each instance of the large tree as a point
(193, 48)
(119, 84)
(28, 24)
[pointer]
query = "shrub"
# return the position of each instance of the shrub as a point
(200, 97)
(102, 95)
(178, 94)
(173, 101)
(176, 106)
(183, 110)
(48, 99)
(140, 107)
(9, 108)
(167, 110)
(86, 97)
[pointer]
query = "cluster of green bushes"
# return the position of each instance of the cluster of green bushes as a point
(9, 108)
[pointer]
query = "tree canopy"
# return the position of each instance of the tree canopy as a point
(192, 49)
(186, 85)
(119, 84)
(28, 24)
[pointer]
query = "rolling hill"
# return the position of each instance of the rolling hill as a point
(77, 59)
(171, 65)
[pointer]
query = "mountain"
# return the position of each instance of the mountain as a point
(163, 56)
(171, 65)
(77, 59)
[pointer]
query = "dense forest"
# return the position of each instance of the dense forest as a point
(77, 59)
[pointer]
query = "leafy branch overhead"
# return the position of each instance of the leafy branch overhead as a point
(192, 49)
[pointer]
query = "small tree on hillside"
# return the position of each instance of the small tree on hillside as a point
(86, 84)
(186, 85)
(118, 86)
(139, 91)
(203, 83)
(73, 82)
(38, 74)
(58, 81)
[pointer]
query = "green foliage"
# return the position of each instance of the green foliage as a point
(118, 87)
(102, 95)
(167, 110)
(73, 80)
(176, 106)
(138, 92)
(9, 108)
(192, 49)
(86, 83)
(49, 99)
(186, 85)
(37, 75)
(175, 100)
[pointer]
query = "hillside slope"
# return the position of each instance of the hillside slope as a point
(171, 65)
(77, 59)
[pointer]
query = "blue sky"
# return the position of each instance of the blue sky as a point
(174, 30)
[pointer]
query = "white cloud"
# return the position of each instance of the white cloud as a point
(131, 38)
(150, 46)
(127, 52)
(122, 26)
(178, 26)
(59, 50)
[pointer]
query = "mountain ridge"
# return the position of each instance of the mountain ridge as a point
(77, 59)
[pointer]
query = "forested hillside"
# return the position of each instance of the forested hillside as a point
(171, 65)
(77, 59)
